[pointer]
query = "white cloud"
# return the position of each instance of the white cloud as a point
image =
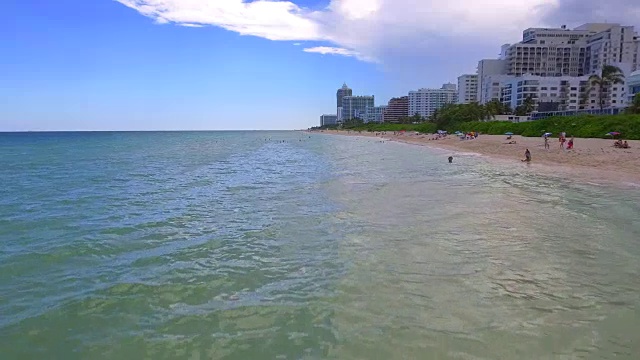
(373, 30)
(273, 20)
(337, 51)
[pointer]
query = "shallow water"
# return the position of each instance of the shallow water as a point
(236, 245)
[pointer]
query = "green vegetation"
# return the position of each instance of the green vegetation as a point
(425, 127)
(585, 126)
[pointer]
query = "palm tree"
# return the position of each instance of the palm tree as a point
(609, 75)
(493, 108)
(528, 104)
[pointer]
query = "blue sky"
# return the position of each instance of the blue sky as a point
(143, 65)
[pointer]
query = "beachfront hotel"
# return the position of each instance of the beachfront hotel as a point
(552, 66)
(571, 52)
(328, 119)
(563, 93)
(467, 88)
(356, 106)
(425, 102)
(397, 108)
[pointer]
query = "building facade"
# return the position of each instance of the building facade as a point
(356, 106)
(342, 92)
(633, 86)
(374, 114)
(326, 119)
(572, 52)
(488, 80)
(398, 108)
(467, 88)
(563, 93)
(425, 102)
(613, 44)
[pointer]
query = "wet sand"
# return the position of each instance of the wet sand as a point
(591, 160)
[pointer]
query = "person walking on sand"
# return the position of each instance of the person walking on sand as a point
(546, 142)
(527, 156)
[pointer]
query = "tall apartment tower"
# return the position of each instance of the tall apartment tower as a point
(342, 92)
(356, 106)
(425, 102)
(467, 88)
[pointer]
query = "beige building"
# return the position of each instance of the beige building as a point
(490, 72)
(467, 88)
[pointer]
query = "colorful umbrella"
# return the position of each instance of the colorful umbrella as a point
(508, 133)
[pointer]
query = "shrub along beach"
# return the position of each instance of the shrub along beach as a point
(581, 126)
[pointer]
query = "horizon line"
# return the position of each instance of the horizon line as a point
(185, 130)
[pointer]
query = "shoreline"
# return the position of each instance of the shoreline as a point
(591, 160)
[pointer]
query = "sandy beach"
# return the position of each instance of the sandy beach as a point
(592, 160)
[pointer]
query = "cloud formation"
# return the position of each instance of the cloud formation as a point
(387, 31)
(337, 51)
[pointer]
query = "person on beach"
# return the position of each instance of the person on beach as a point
(570, 144)
(562, 140)
(527, 156)
(546, 142)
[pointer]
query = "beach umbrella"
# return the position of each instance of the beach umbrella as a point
(508, 133)
(547, 134)
(613, 133)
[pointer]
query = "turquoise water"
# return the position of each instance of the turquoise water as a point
(281, 245)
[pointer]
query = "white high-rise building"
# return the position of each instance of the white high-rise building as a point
(489, 71)
(613, 44)
(572, 52)
(467, 88)
(425, 101)
(558, 93)
(356, 106)
(560, 52)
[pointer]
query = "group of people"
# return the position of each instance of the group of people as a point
(620, 144)
(562, 139)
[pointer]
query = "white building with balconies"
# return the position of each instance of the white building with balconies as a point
(425, 102)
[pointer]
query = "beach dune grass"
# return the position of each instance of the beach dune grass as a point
(582, 126)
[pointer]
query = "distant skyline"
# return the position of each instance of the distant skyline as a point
(198, 65)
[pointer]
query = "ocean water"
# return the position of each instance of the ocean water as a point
(285, 245)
